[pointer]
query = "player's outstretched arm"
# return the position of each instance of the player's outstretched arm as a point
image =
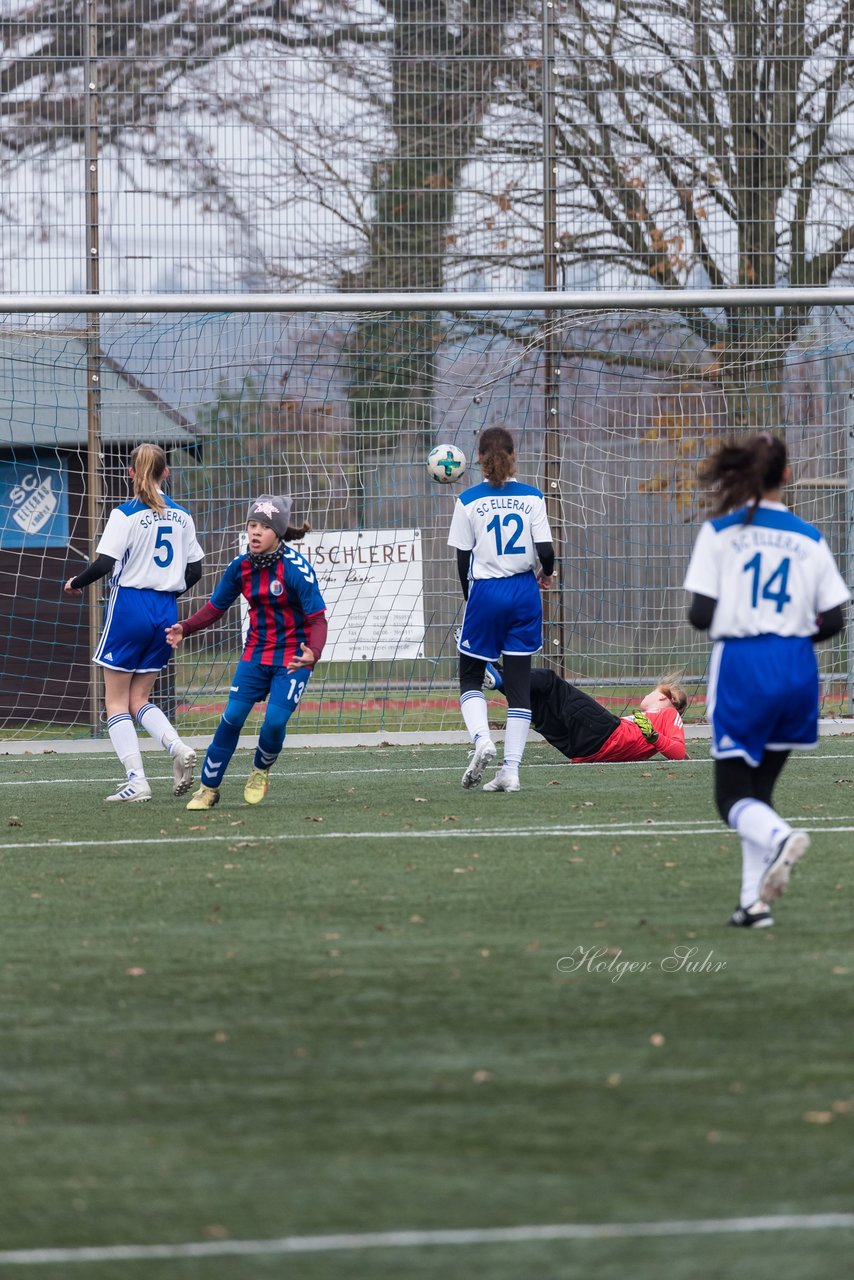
(99, 568)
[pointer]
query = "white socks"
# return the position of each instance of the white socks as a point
(154, 722)
(758, 822)
(762, 831)
(515, 737)
(473, 707)
(122, 731)
(755, 861)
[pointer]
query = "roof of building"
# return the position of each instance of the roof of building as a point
(43, 397)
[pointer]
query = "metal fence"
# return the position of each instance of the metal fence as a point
(200, 148)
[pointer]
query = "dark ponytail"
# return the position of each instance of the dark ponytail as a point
(743, 471)
(294, 534)
(496, 454)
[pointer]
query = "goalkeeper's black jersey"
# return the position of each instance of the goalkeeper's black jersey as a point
(568, 718)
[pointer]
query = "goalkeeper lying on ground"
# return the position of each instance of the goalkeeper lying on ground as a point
(589, 733)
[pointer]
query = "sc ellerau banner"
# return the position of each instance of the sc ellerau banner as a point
(33, 503)
(373, 583)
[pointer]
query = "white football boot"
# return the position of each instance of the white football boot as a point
(483, 755)
(776, 878)
(504, 780)
(134, 792)
(183, 764)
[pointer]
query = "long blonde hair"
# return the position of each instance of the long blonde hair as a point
(148, 463)
(673, 691)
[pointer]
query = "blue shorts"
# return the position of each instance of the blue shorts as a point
(762, 695)
(253, 682)
(134, 635)
(503, 615)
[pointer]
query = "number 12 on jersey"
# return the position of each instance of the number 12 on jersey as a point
(511, 522)
(773, 587)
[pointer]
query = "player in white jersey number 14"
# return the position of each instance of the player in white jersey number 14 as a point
(765, 586)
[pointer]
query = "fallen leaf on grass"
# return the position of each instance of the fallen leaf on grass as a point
(818, 1117)
(220, 1037)
(135, 972)
(416, 919)
(482, 1077)
(420, 799)
(656, 1039)
(313, 817)
(450, 817)
(15, 821)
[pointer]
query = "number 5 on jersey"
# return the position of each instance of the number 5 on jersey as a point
(164, 552)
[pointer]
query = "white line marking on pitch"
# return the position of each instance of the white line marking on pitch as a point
(420, 1239)
(465, 833)
(653, 762)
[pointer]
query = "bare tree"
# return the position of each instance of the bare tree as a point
(708, 143)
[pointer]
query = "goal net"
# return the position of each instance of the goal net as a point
(611, 407)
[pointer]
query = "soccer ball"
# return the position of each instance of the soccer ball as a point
(446, 463)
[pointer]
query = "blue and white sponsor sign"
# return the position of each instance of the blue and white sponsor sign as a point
(33, 502)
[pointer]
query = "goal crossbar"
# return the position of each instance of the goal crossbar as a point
(618, 300)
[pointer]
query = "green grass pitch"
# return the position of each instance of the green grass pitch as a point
(359, 1008)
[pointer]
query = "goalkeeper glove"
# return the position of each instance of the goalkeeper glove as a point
(645, 725)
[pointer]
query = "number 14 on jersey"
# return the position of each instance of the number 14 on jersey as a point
(773, 587)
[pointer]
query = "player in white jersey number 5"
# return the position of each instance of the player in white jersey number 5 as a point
(766, 588)
(149, 546)
(501, 532)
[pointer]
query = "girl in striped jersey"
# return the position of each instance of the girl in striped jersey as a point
(150, 550)
(287, 632)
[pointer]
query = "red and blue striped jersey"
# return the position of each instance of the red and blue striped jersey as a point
(282, 598)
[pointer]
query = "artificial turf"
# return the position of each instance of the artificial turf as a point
(377, 1002)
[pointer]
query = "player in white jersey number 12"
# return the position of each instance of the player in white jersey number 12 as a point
(149, 547)
(501, 533)
(765, 586)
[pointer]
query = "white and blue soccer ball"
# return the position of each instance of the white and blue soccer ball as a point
(446, 463)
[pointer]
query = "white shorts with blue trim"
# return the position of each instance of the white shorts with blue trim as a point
(134, 635)
(762, 696)
(503, 616)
